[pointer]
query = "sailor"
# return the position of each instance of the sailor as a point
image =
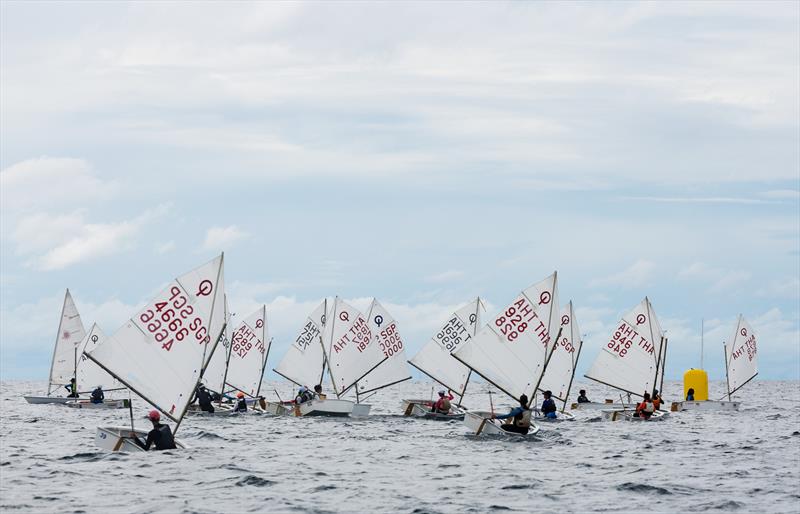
(549, 406)
(657, 401)
(241, 403)
(442, 405)
(318, 392)
(72, 387)
(582, 396)
(204, 399)
(161, 435)
(520, 418)
(645, 409)
(97, 395)
(303, 395)
(690, 395)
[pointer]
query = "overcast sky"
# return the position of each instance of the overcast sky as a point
(422, 153)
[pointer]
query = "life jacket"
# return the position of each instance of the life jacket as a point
(444, 406)
(523, 419)
(656, 403)
(164, 440)
(322, 396)
(648, 407)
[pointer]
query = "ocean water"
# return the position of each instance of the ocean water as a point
(747, 461)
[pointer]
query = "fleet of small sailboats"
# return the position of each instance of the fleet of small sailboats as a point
(184, 337)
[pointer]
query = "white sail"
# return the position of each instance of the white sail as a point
(561, 366)
(90, 375)
(628, 361)
(159, 353)
(510, 352)
(434, 358)
(304, 359)
(349, 346)
(214, 374)
(249, 348)
(69, 337)
(741, 356)
(386, 335)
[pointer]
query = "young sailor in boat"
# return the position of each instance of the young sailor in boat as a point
(318, 392)
(241, 403)
(303, 395)
(97, 395)
(582, 396)
(690, 395)
(72, 387)
(645, 409)
(549, 406)
(160, 436)
(520, 418)
(657, 401)
(204, 399)
(442, 405)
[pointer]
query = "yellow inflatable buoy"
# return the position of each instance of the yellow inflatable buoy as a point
(696, 379)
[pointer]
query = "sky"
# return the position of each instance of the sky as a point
(421, 153)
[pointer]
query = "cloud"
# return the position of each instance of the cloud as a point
(445, 276)
(718, 279)
(788, 288)
(637, 275)
(60, 241)
(781, 194)
(48, 183)
(220, 238)
(691, 199)
(167, 247)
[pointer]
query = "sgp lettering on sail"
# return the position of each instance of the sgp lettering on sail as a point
(171, 318)
(452, 334)
(390, 341)
(625, 337)
(358, 334)
(520, 317)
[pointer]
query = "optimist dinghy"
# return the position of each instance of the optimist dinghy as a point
(480, 423)
(633, 359)
(512, 351)
(562, 363)
(118, 439)
(435, 358)
(160, 353)
(630, 415)
(422, 409)
(741, 366)
(106, 404)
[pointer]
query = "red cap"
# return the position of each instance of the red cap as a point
(154, 415)
(240, 394)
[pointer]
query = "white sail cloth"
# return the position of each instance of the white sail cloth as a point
(89, 374)
(160, 352)
(70, 335)
(249, 349)
(386, 335)
(561, 366)
(741, 355)
(435, 359)
(510, 352)
(303, 361)
(630, 359)
(349, 346)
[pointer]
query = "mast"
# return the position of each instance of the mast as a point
(574, 366)
(324, 353)
(55, 346)
(658, 363)
(727, 380)
(664, 366)
(225, 375)
(474, 332)
(266, 353)
(369, 317)
(544, 368)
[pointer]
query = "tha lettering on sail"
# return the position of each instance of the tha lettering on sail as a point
(625, 337)
(518, 318)
(748, 347)
(243, 341)
(170, 318)
(453, 334)
(389, 339)
(359, 334)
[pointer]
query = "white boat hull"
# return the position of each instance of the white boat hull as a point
(224, 409)
(42, 400)
(422, 409)
(630, 415)
(707, 405)
(599, 406)
(106, 404)
(478, 423)
(274, 409)
(117, 439)
(560, 416)
(327, 407)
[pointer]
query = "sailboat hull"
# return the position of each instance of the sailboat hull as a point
(708, 405)
(117, 439)
(422, 409)
(328, 408)
(598, 406)
(360, 410)
(224, 409)
(478, 423)
(42, 400)
(107, 404)
(560, 416)
(630, 415)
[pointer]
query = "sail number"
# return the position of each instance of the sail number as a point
(359, 334)
(749, 346)
(243, 341)
(624, 338)
(389, 339)
(452, 334)
(519, 317)
(309, 333)
(173, 319)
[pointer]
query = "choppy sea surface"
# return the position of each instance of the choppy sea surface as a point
(747, 461)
